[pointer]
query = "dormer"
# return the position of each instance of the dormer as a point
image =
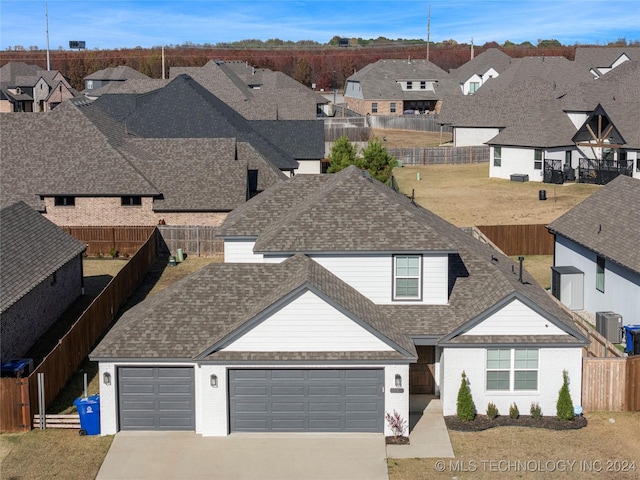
(410, 85)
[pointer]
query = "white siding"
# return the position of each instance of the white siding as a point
(465, 137)
(515, 318)
(578, 118)
(308, 166)
(353, 90)
(552, 361)
(308, 324)
(621, 286)
(108, 400)
(372, 276)
(517, 160)
(240, 251)
(212, 404)
(396, 401)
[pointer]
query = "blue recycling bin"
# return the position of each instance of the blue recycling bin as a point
(89, 410)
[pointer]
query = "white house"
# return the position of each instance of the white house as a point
(600, 239)
(473, 74)
(338, 299)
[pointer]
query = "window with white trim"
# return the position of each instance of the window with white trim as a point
(497, 156)
(409, 85)
(374, 107)
(600, 274)
(512, 369)
(393, 107)
(537, 159)
(407, 277)
(473, 87)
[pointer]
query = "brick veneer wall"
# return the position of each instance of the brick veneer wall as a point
(107, 211)
(25, 321)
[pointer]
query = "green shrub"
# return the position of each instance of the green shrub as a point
(492, 410)
(536, 411)
(564, 406)
(465, 408)
(513, 410)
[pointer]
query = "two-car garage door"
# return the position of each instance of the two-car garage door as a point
(260, 400)
(306, 400)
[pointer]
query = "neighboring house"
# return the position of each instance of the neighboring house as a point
(108, 76)
(597, 252)
(473, 74)
(92, 170)
(601, 60)
(338, 299)
(394, 87)
(27, 88)
(257, 93)
(40, 277)
(550, 133)
(204, 115)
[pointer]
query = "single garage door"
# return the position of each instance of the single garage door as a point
(306, 400)
(156, 398)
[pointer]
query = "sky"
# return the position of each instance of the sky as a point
(111, 24)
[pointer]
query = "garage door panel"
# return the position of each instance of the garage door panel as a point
(156, 398)
(318, 400)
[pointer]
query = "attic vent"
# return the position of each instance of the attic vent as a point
(494, 259)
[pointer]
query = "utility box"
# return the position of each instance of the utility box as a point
(609, 325)
(567, 285)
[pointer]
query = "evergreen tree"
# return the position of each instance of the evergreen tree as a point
(343, 154)
(377, 161)
(465, 408)
(564, 406)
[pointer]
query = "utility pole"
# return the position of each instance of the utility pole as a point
(163, 77)
(471, 48)
(46, 16)
(428, 31)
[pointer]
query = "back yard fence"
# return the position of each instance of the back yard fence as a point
(104, 241)
(198, 241)
(611, 384)
(441, 155)
(19, 396)
(532, 239)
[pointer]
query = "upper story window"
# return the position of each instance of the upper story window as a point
(89, 85)
(600, 274)
(64, 201)
(497, 156)
(537, 159)
(473, 87)
(392, 107)
(510, 369)
(409, 85)
(374, 107)
(407, 277)
(423, 85)
(132, 200)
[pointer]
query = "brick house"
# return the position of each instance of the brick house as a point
(40, 277)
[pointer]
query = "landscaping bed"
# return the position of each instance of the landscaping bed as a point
(482, 422)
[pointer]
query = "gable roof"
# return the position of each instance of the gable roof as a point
(595, 58)
(380, 80)
(479, 65)
(302, 139)
(31, 249)
(607, 222)
(185, 109)
(119, 73)
(193, 317)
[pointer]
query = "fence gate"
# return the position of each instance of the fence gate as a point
(15, 413)
(553, 172)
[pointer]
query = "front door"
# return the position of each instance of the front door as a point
(421, 374)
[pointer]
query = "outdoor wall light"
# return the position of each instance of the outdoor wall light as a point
(106, 378)
(214, 381)
(398, 381)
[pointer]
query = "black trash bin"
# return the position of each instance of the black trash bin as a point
(542, 195)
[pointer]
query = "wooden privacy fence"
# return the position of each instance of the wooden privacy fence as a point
(441, 155)
(198, 241)
(76, 344)
(598, 346)
(520, 239)
(611, 384)
(354, 134)
(100, 240)
(418, 123)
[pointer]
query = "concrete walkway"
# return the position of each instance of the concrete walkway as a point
(186, 455)
(428, 435)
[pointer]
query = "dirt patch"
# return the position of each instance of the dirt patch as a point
(482, 422)
(399, 440)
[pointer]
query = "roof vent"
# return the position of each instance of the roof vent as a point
(521, 260)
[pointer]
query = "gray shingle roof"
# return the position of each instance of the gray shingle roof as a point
(608, 222)
(135, 86)
(490, 58)
(185, 109)
(193, 317)
(31, 249)
(302, 139)
(599, 57)
(379, 80)
(119, 73)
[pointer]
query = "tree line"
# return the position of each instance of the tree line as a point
(323, 68)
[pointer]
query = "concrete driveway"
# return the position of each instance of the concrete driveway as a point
(185, 455)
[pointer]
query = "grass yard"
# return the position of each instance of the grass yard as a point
(600, 450)
(465, 195)
(408, 139)
(539, 266)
